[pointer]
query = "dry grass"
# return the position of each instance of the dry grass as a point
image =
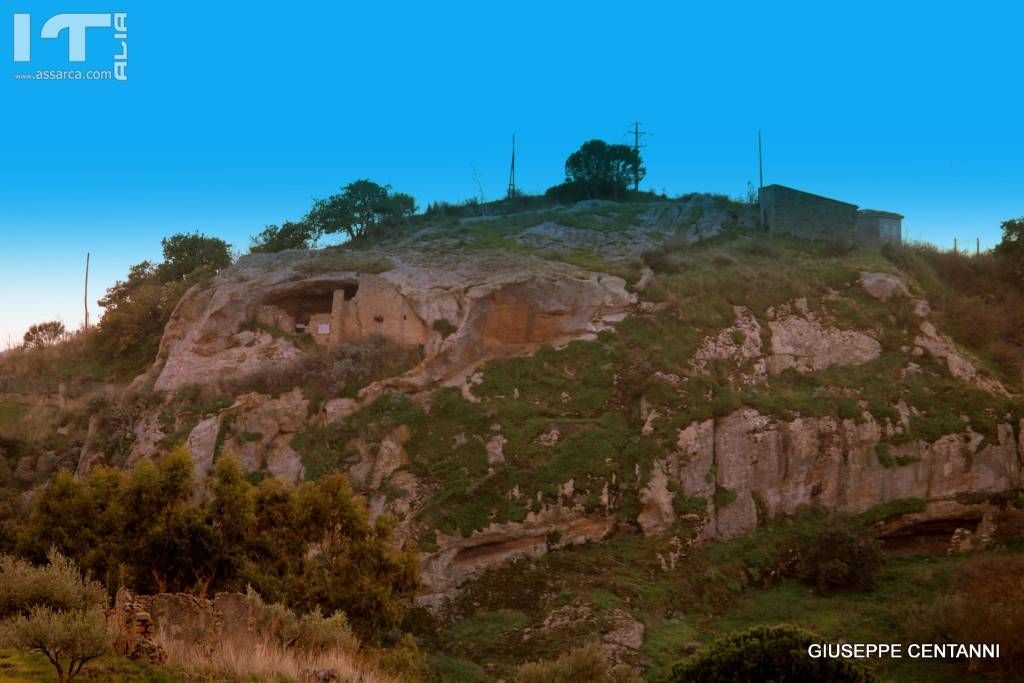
(985, 604)
(262, 659)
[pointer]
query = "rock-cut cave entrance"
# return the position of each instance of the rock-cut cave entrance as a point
(316, 298)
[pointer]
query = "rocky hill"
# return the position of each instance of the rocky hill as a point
(566, 390)
(511, 387)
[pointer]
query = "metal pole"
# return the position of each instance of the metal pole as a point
(760, 177)
(86, 297)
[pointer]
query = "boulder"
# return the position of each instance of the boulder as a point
(883, 286)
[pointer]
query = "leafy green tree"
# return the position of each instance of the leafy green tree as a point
(839, 556)
(1012, 245)
(184, 253)
(353, 567)
(69, 640)
(362, 209)
(766, 653)
(276, 238)
(600, 170)
(137, 309)
(42, 335)
(166, 542)
(53, 610)
(309, 545)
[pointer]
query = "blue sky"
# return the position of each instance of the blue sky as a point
(235, 116)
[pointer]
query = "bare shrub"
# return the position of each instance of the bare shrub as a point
(262, 658)
(328, 373)
(310, 633)
(585, 663)
(985, 604)
(978, 299)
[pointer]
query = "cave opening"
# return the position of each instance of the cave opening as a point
(302, 303)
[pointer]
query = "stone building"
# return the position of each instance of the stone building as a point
(879, 227)
(788, 211)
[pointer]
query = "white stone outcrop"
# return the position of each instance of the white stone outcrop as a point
(774, 467)
(800, 341)
(883, 286)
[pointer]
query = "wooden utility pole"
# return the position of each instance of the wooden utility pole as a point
(512, 171)
(760, 178)
(86, 298)
(977, 246)
(637, 133)
(955, 249)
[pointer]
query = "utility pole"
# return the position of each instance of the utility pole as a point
(637, 133)
(955, 250)
(760, 178)
(86, 297)
(512, 171)
(977, 246)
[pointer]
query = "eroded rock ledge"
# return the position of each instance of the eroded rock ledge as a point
(460, 310)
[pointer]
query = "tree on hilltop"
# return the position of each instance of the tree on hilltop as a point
(599, 170)
(184, 253)
(42, 335)
(362, 209)
(276, 238)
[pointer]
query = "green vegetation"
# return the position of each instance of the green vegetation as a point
(839, 556)
(978, 300)
(42, 335)
(767, 653)
(985, 604)
(311, 545)
(598, 170)
(276, 238)
(344, 258)
(444, 327)
(712, 591)
(125, 341)
(585, 663)
(572, 413)
(54, 611)
(894, 508)
(363, 209)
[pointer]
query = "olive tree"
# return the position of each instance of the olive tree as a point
(55, 611)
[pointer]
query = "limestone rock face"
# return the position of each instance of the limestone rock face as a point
(805, 344)
(883, 286)
(496, 304)
(459, 558)
(377, 464)
(775, 467)
(262, 430)
(941, 347)
(202, 442)
(739, 343)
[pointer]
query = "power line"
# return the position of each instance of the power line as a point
(637, 134)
